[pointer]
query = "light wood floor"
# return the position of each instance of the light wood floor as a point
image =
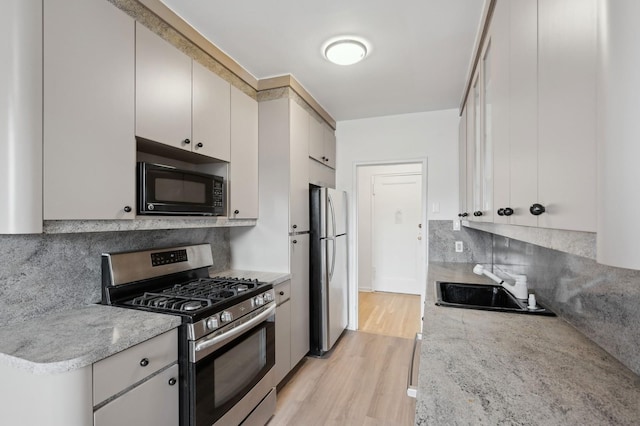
(364, 379)
(362, 382)
(391, 314)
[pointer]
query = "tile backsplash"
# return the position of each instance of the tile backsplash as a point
(50, 272)
(601, 301)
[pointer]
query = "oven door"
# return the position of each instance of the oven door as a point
(231, 377)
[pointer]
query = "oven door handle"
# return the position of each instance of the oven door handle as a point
(225, 337)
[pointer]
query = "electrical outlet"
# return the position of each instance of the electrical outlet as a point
(456, 225)
(459, 247)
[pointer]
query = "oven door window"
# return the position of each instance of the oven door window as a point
(227, 375)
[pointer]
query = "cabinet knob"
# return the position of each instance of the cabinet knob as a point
(326, 159)
(500, 212)
(295, 241)
(236, 211)
(537, 209)
(508, 211)
(186, 141)
(172, 381)
(144, 362)
(199, 145)
(465, 214)
(294, 226)
(477, 213)
(281, 293)
(127, 209)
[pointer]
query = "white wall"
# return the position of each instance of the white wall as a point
(398, 138)
(364, 207)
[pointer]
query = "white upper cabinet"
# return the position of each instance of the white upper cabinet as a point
(322, 142)
(299, 172)
(567, 41)
(531, 118)
(329, 146)
(462, 164)
(212, 114)
(619, 133)
(316, 140)
(497, 117)
(243, 170)
(89, 146)
(523, 111)
(163, 91)
(179, 102)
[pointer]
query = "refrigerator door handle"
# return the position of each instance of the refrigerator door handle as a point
(333, 261)
(333, 225)
(333, 215)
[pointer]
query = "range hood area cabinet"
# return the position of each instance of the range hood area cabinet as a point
(178, 101)
(530, 117)
(89, 145)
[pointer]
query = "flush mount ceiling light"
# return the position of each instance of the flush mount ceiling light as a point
(345, 51)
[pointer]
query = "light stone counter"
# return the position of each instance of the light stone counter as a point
(69, 340)
(488, 368)
(274, 278)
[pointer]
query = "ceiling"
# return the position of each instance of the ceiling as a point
(418, 61)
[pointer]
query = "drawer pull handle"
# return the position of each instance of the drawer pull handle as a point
(172, 381)
(144, 362)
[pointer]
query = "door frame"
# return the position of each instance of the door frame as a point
(354, 210)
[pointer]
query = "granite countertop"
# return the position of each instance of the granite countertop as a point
(274, 278)
(480, 367)
(69, 340)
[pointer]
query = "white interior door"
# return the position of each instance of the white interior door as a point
(397, 233)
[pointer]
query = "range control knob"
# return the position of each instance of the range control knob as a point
(268, 297)
(258, 301)
(212, 323)
(226, 316)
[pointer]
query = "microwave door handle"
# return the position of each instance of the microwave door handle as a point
(229, 335)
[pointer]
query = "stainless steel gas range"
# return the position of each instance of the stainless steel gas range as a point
(227, 340)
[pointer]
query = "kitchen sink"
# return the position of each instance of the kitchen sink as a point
(484, 297)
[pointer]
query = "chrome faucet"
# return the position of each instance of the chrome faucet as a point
(519, 289)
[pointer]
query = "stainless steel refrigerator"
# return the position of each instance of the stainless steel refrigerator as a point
(328, 268)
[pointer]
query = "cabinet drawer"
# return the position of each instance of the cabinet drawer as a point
(283, 292)
(153, 403)
(120, 371)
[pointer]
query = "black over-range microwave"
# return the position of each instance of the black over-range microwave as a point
(166, 190)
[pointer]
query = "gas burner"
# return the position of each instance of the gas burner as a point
(174, 303)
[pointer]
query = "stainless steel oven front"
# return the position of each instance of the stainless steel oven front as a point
(230, 373)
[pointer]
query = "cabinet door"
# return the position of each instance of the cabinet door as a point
(299, 179)
(243, 173)
(163, 91)
(476, 142)
(329, 146)
(283, 340)
(567, 47)
(153, 403)
(89, 145)
(211, 114)
(316, 140)
(523, 112)
(498, 116)
(299, 259)
(462, 163)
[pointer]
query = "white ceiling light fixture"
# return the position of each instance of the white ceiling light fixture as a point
(345, 51)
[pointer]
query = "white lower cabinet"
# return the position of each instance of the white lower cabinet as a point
(283, 330)
(152, 403)
(139, 386)
(300, 338)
